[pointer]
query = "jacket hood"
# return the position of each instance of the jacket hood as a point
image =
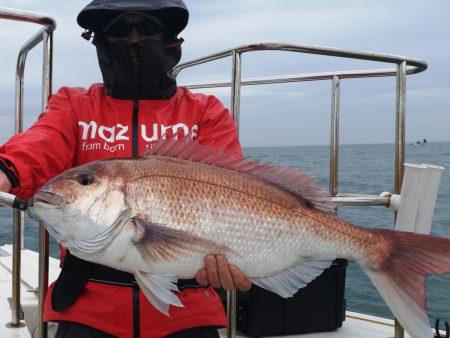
(172, 13)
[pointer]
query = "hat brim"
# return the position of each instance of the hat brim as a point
(174, 20)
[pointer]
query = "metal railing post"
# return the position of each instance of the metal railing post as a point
(400, 148)
(235, 110)
(400, 126)
(43, 279)
(334, 139)
(16, 309)
(236, 87)
(18, 216)
(47, 73)
(46, 35)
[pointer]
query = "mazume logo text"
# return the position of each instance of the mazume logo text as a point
(114, 138)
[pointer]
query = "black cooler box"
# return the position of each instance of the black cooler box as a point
(320, 306)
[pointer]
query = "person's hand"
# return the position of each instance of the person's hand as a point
(5, 184)
(219, 274)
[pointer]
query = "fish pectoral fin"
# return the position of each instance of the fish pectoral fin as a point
(158, 242)
(288, 282)
(159, 290)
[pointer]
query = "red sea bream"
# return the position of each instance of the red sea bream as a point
(157, 217)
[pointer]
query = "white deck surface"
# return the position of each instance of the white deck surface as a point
(30, 273)
(355, 325)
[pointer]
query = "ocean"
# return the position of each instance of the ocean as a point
(366, 169)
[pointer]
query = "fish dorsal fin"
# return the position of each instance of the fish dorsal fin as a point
(288, 282)
(287, 178)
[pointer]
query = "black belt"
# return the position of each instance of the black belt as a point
(107, 275)
(75, 272)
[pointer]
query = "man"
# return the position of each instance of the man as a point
(139, 103)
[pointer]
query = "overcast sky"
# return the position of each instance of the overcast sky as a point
(283, 114)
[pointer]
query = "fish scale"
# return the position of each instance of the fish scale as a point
(211, 199)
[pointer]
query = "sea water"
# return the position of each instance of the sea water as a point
(366, 169)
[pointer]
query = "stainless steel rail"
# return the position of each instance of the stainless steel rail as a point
(417, 65)
(400, 148)
(44, 35)
(404, 66)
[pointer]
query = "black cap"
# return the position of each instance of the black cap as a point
(173, 14)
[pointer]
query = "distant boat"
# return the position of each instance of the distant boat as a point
(419, 142)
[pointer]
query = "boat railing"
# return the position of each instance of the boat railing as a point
(44, 35)
(402, 66)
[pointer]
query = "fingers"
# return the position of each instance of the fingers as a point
(240, 280)
(223, 270)
(202, 277)
(220, 274)
(212, 268)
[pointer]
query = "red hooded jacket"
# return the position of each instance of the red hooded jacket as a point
(80, 126)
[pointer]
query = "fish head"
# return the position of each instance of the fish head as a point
(80, 203)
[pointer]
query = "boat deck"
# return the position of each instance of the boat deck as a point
(356, 325)
(29, 298)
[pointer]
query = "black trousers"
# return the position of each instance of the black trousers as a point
(76, 330)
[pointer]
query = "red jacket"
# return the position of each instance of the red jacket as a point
(81, 126)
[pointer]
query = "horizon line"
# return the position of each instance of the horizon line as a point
(341, 144)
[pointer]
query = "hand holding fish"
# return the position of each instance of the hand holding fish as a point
(219, 274)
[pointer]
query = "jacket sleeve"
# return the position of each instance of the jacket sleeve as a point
(46, 149)
(217, 127)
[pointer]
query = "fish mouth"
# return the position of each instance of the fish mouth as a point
(47, 197)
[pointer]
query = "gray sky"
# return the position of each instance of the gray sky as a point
(284, 114)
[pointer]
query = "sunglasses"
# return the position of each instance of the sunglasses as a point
(121, 29)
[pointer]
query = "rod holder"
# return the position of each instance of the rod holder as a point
(417, 199)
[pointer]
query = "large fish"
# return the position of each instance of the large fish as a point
(158, 217)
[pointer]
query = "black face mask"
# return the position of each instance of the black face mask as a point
(154, 79)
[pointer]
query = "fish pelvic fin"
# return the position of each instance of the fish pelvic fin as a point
(161, 243)
(288, 282)
(159, 290)
(400, 278)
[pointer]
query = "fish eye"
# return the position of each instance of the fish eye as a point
(85, 178)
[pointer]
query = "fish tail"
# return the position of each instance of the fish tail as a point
(400, 276)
